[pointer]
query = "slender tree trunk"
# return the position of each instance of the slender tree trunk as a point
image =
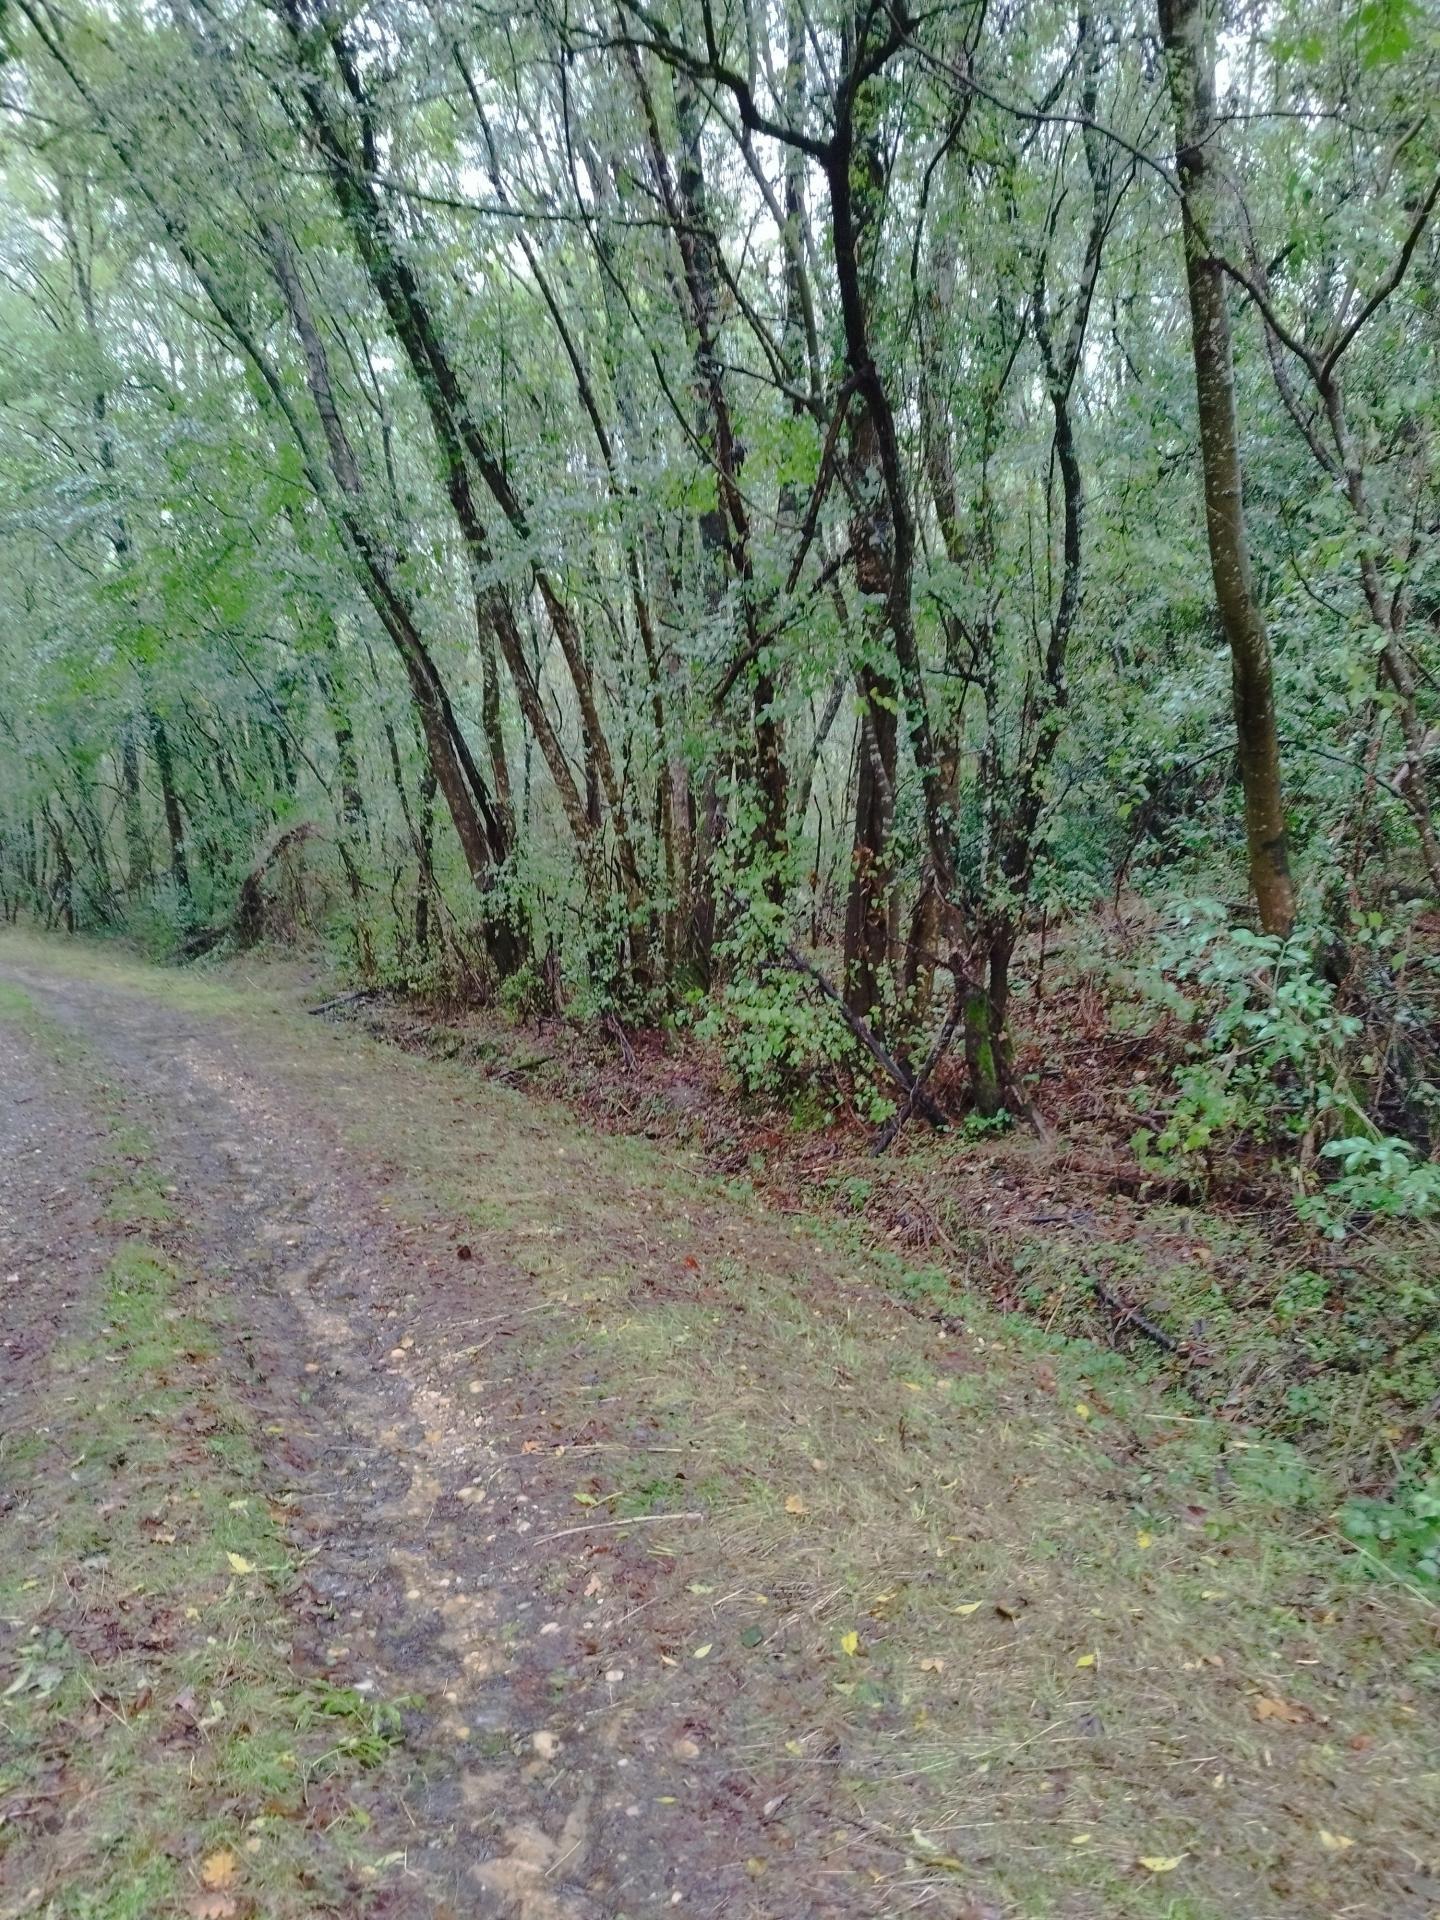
(137, 841)
(1192, 88)
(170, 803)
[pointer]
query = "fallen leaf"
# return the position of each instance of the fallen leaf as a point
(218, 1870)
(795, 1504)
(1144, 1540)
(1082, 1410)
(1270, 1706)
(239, 1564)
(1079, 1839)
(850, 1643)
(1160, 1862)
(933, 1857)
(1335, 1842)
(701, 1653)
(932, 1666)
(212, 1906)
(969, 1606)
(1086, 1660)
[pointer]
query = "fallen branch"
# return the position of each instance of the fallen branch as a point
(627, 1052)
(248, 924)
(873, 1045)
(1135, 1318)
(603, 1526)
(937, 1053)
(345, 1000)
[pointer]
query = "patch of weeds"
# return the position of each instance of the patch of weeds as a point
(1403, 1533)
(139, 1203)
(373, 1729)
(658, 1494)
(15, 1003)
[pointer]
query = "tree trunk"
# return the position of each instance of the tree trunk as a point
(137, 842)
(1192, 88)
(867, 907)
(170, 801)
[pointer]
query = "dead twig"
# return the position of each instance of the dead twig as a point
(603, 1526)
(1132, 1316)
(344, 1000)
(871, 1042)
(943, 1042)
(627, 1052)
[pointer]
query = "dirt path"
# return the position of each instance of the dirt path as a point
(706, 1575)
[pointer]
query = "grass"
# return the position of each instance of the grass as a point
(158, 1755)
(1016, 1613)
(1070, 1587)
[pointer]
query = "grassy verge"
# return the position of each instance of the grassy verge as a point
(1024, 1617)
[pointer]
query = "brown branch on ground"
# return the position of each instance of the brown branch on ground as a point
(1133, 1317)
(943, 1041)
(871, 1042)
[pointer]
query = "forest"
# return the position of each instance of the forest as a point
(745, 520)
(812, 629)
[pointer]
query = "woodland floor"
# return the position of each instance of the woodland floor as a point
(413, 1502)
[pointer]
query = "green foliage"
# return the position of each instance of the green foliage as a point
(777, 1036)
(1269, 1060)
(1402, 1532)
(242, 532)
(1379, 1178)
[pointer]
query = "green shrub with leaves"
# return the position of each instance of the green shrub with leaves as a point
(1268, 1062)
(1404, 1532)
(1270, 1066)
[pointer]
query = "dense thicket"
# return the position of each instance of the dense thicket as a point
(631, 506)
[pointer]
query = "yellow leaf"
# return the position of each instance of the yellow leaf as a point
(932, 1666)
(1269, 1706)
(1082, 1410)
(700, 1653)
(239, 1564)
(970, 1606)
(1144, 1540)
(850, 1643)
(795, 1504)
(794, 1746)
(1160, 1863)
(1079, 1839)
(1335, 1842)
(1086, 1660)
(219, 1869)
